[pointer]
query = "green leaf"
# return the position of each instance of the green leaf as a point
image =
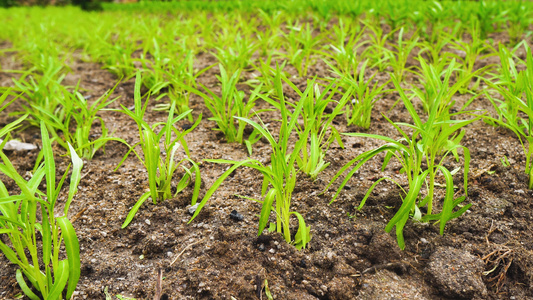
(49, 164)
(24, 287)
(61, 277)
(303, 235)
(134, 209)
(216, 184)
(72, 248)
(265, 210)
(74, 178)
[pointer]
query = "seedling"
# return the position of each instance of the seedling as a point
(279, 179)
(365, 94)
(161, 168)
(425, 144)
(38, 255)
(231, 103)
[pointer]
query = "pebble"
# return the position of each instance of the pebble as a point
(272, 251)
(234, 215)
(192, 209)
(147, 222)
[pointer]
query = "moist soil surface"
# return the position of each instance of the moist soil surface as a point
(485, 254)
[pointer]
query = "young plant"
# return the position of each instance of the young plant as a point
(231, 103)
(517, 92)
(317, 125)
(345, 48)
(279, 179)
(155, 76)
(161, 168)
(237, 57)
(474, 51)
(437, 93)
(36, 239)
(182, 73)
(301, 44)
(40, 92)
(376, 52)
(365, 94)
(74, 109)
(398, 56)
(433, 48)
(425, 144)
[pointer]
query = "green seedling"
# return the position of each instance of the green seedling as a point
(279, 179)
(397, 57)
(231, 103)
(36, 239)
(434, 47)
(75, 110)
(161, 167)
(182, 73)
(376, 52)
(437, 92)
(40, 92)
(474, 51)
(237, 57)
(517, 92)
(365, 94)
(423, 145)
(345, 52)
(155, 77)
(301, 45)
(317, 125)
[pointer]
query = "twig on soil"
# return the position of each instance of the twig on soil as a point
(498, 261)
(159, 284)
(78, 215)
(480, 172)
(184, 249)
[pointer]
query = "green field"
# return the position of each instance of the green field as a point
(320, 94)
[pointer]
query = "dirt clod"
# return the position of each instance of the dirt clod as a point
(457, 273)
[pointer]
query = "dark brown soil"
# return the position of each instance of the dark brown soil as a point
(350, 255)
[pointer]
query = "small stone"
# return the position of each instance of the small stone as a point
(147, 222)
(234, 215)
(192, 209)
(303, 264)
(18, 146)
(272, 251)
(457, 273)
(261, 247)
